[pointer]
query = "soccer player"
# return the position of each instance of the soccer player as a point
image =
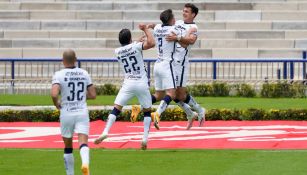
(74, 85)
(136, 82)
(188, 31)
(164, 72)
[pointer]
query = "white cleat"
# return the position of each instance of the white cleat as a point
(144, 145)
(100, 139)
(191, 120)
(201, 117)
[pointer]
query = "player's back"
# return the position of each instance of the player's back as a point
(131, 60)
(165, 48)
(73, 83)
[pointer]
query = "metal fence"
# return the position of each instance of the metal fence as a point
(34, 75)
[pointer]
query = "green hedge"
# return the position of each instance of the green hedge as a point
(175, 114)
(268, 90)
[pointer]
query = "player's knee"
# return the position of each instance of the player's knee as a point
(147, 113)
(115, 111)
(83, 145)
(68, 150)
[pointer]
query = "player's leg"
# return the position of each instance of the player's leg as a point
(144, 98)
(124, 95)
(82, 128)
(181, 93)
(68, 156)
(167, 83)
(84, 153)
(67, 129)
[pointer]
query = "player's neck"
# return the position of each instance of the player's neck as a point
(70, 67)
(189, 22)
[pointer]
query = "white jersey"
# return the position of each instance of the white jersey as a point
(165, 48)
(74, 83)
(182, 54)
(131, 59)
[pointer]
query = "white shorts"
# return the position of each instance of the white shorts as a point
(182, 73)
(164, 75)
(131, 89)
(71, 124)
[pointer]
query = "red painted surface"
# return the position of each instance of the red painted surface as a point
(214, 135)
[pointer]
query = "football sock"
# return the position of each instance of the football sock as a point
(163, 104)
(147, 121)
(190, 101)
(186, 108)
(111, 119)
(69, 161)
(84, 153)
(153, 99)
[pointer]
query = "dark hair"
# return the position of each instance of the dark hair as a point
(193, 8)
(124, 36)
(166, 16)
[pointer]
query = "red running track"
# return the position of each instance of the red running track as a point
(214, 135)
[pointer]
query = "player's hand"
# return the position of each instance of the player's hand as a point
(142, 26)
(171, 37)
(151, 26)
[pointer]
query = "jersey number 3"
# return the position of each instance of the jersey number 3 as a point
(72, 94)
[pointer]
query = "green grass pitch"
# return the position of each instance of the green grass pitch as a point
(158, 162)
(207, 102)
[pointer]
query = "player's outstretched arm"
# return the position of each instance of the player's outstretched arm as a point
(91, 92)
(150, 42)
(184, 41)
(55, 90)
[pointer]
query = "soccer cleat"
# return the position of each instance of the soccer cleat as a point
(156, 118)
(100, 139)
(201, 117)
(135, 110)
(191, 120)
(144, 145)
(85, 170)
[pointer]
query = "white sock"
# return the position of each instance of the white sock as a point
(194, 105)
(186, 108)
(162, 106)
(111, 120)
(69, 163)
(147, 121)
(85, 156)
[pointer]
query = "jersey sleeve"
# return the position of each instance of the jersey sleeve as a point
(139, 46)
(55, 79)
(177, 30)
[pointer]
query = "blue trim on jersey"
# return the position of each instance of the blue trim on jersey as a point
(170, 64)
(181, 79)
(186, 53)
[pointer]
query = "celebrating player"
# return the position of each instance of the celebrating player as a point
(188, 30)
(164, 74)
(136, 82)
(74, 85)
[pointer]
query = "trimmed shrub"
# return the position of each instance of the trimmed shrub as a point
(220, 89)
(107, 89)
(245, 90)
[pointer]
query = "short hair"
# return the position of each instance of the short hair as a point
(69, 56)
(193, 8)
(124, 36)
(166, 16)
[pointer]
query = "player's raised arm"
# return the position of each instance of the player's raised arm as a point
(150, 42)
(55, 91)
(190, 37)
